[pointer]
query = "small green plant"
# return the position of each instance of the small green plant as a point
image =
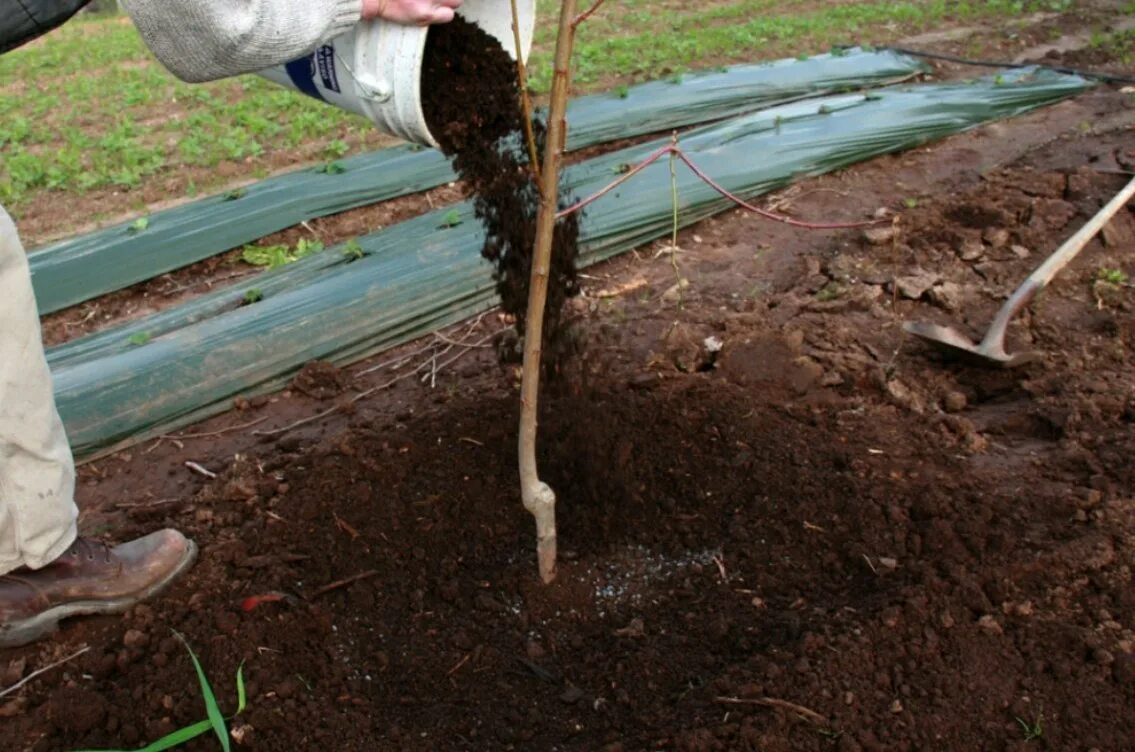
(829, 292)
(622, 91)
(1033, 730)
(139, 338)
(910, 202)
(307, 247)
(275, 256)
(253, 296)
(1115, 277)
(452, 218)
(138, 225)
(352, 250)
(336, 149)
(235, 194)
(215, 720)
(331, 168)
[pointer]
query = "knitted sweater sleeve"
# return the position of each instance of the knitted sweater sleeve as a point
(203, 40)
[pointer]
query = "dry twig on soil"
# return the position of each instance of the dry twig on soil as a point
(40, 671)
(772, 702)
(344, 583)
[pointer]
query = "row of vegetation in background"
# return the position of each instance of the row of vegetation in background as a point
(87, 108)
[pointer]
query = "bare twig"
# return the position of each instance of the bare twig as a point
(460, 663)
(344, 583)
(210, 434)
(40, 671)
(147, 504)
(772, 702)
(199, 469)
(458, 343)
(676, 151)
(465, 350)
(525, 99)
(586, 14)
(538, 497)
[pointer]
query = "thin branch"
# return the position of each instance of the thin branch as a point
(344, 583)
(210, 434)
(772, 702)
(676, 151)
(43, 670)
(525, 99)
(772, 215)
(465, 350)
(584, 203)
(586, 14)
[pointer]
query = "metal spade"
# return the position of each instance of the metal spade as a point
(991, 349)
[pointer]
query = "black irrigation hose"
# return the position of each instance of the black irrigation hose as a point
(1110, 78)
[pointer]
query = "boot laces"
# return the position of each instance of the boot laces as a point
(91, 549)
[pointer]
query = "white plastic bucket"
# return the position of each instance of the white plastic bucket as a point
(375, 70)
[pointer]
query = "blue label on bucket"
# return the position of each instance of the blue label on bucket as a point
(302, 73)
(325, 62)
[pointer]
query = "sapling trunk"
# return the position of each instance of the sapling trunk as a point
(538, 497)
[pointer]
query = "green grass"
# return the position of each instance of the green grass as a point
(215, 720)
(648, 44)
(88, 109)
(1119, 45)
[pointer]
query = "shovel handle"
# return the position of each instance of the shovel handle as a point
(1060, 258)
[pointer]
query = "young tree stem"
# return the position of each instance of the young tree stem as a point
(538, 497)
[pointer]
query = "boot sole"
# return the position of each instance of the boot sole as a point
(39, 626)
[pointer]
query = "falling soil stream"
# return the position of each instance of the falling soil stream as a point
(471, 101)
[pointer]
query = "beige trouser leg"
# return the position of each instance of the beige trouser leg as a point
(37, 474)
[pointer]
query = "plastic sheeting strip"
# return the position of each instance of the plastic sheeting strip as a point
(82, 268)
(418, 276)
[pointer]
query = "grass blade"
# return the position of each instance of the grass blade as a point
(240, 698)
(216, 718)
(181, 736)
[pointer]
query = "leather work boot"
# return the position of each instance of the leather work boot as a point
(89, 578)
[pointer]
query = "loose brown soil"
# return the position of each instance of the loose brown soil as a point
(824, 537)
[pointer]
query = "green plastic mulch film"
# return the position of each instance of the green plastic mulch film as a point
(418, 276)
(85, 267)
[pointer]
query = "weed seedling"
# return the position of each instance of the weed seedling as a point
(253, 296)
(1034, 730)
(452, 218)
(336, 148)
(331, 168)
(138, 225)
(1115, 277)
(139, 338)
(352, 250)
(910, 203)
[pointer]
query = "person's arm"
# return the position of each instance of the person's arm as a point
(203, 40)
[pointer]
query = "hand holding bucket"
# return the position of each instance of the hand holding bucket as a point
(375, 70)
(411, 12)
